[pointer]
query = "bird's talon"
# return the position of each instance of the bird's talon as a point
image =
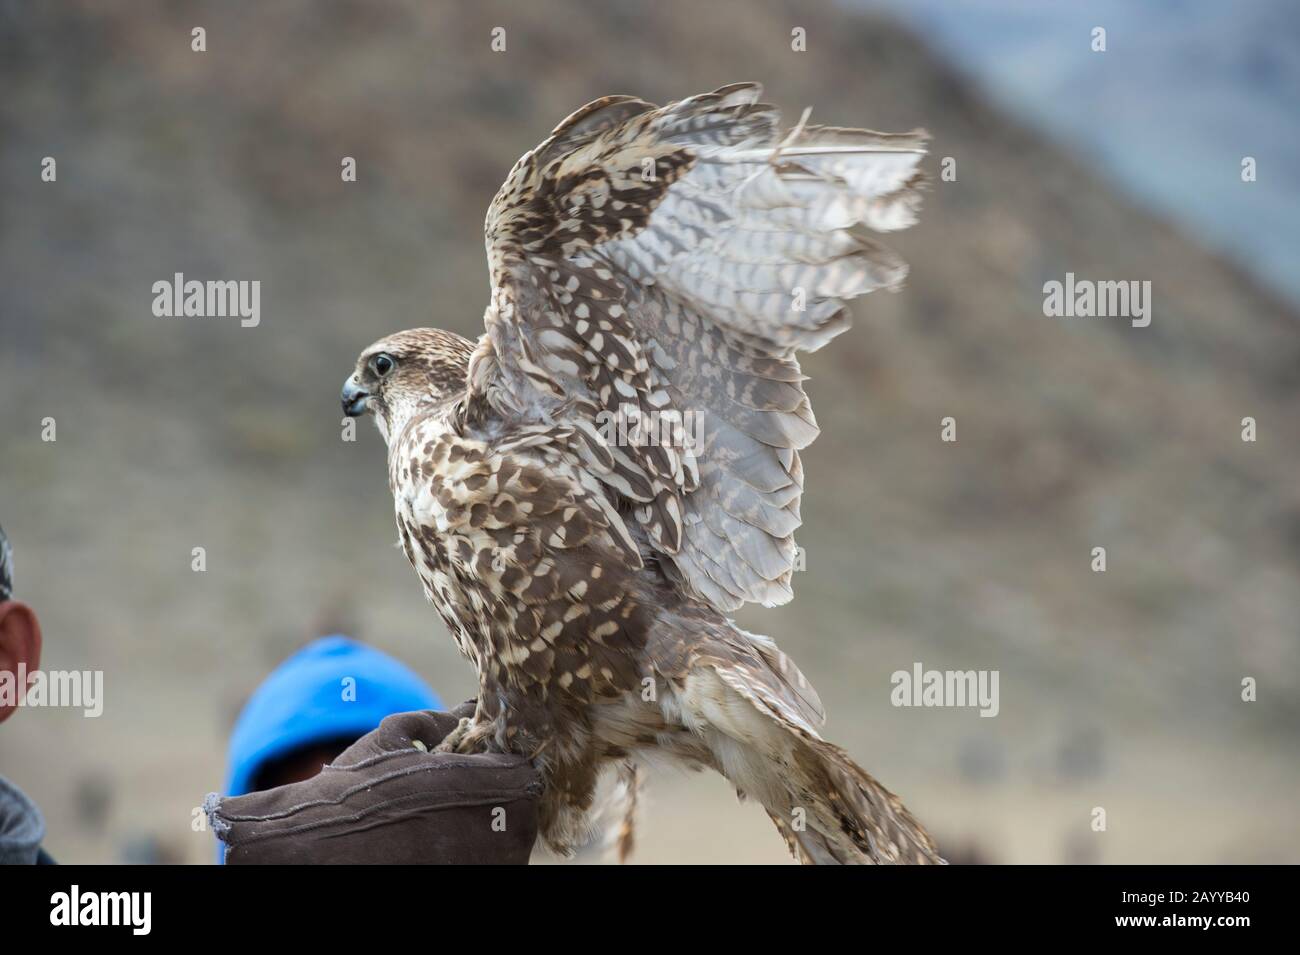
(452, 740)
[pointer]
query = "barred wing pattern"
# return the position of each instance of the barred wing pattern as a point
(666, 264)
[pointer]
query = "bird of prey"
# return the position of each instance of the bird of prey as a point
(592, 488)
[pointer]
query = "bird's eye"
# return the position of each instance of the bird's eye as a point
(382, 364)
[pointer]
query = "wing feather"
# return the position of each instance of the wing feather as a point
(660, 265)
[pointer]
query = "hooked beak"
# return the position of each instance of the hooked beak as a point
(354, 398)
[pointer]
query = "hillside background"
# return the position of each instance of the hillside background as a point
(1184, 89)
(1119, 690)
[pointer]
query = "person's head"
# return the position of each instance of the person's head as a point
(20, 631)
(312, 707)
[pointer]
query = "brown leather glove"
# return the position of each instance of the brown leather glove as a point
(386, 800)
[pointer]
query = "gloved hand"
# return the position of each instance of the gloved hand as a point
(387, 800)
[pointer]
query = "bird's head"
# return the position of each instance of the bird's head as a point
(405, 373)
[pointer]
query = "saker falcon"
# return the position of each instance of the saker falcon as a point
(648, 265)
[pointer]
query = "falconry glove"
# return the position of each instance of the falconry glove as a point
(388, 798)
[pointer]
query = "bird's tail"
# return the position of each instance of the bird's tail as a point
(758, 716)
(850, 819)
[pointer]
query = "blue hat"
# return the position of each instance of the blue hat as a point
(333, 687)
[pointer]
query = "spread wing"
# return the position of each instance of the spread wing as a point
(654, 272)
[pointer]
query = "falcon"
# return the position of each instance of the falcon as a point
(590, 490)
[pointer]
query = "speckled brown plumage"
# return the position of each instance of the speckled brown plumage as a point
(647, 265)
